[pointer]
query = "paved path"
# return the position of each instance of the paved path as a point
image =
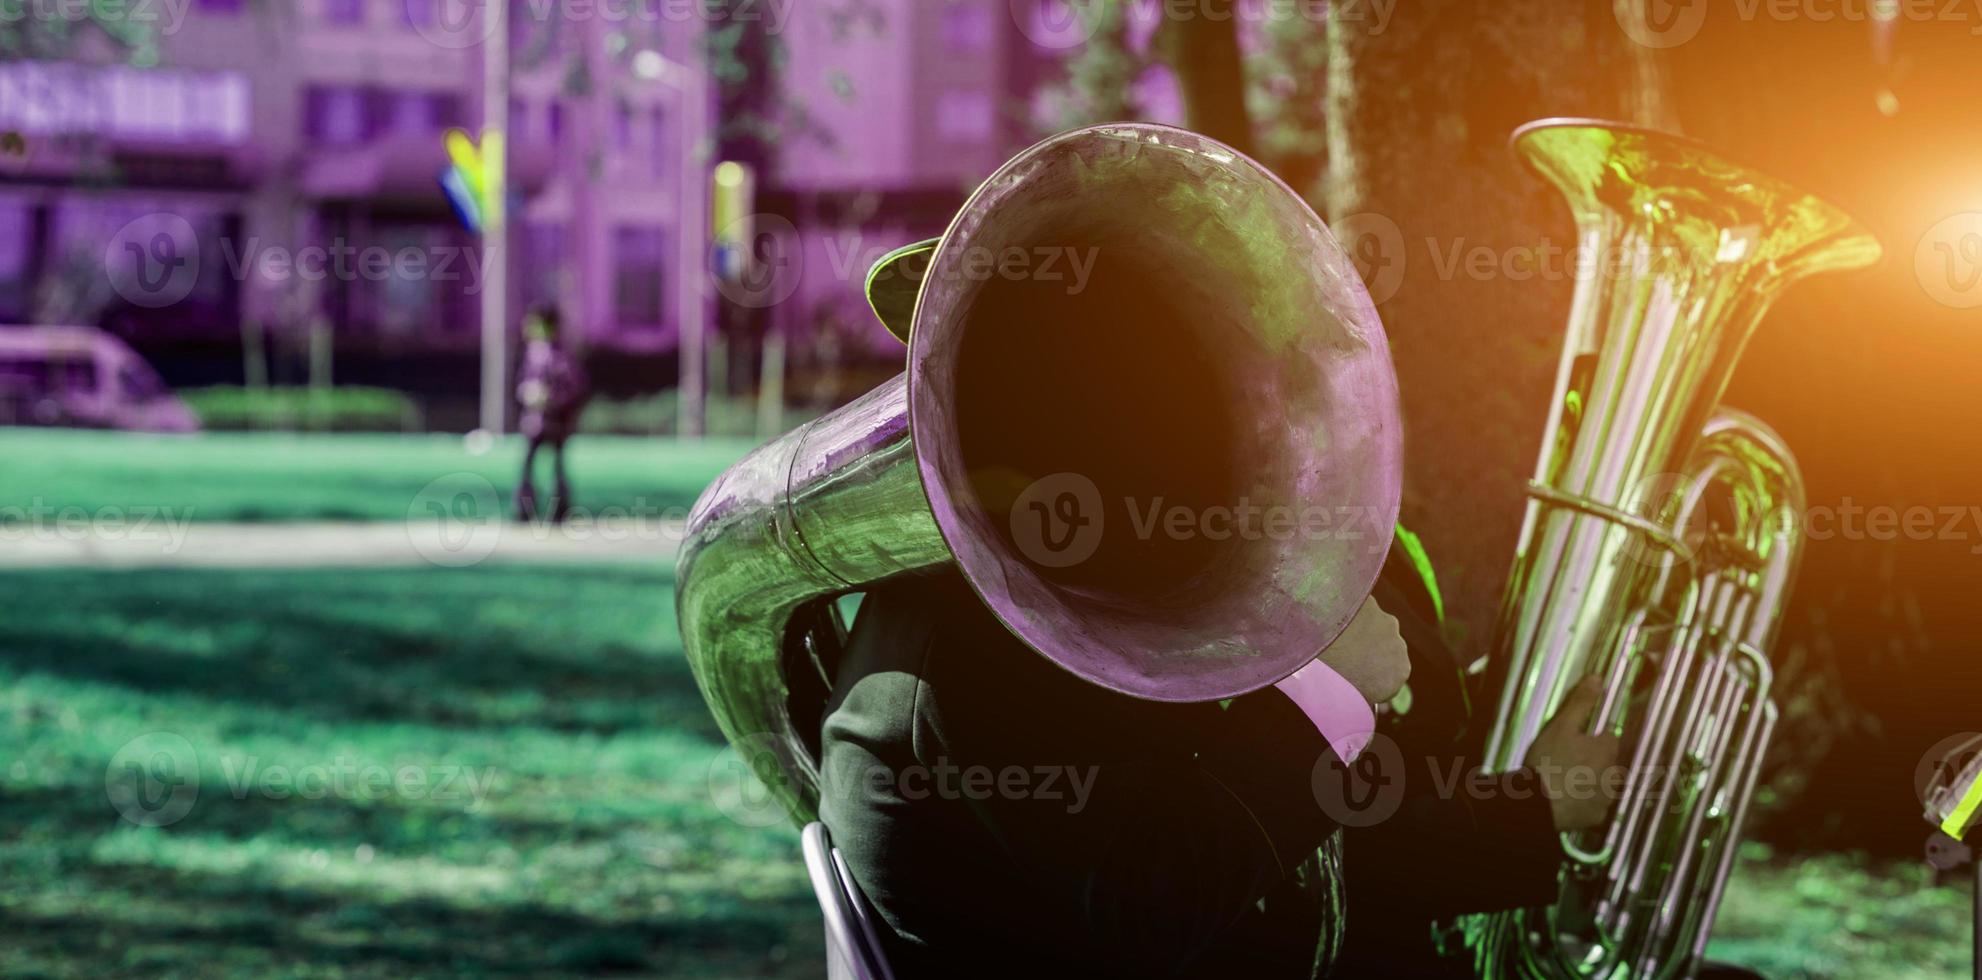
(446, 544)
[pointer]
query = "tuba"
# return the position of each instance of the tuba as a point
(1220, 352)
(1660, 540)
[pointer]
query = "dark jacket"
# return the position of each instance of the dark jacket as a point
(1009, 819)
(552, 388)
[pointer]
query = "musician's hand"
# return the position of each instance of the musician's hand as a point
(1575, 765)
(1370, 654)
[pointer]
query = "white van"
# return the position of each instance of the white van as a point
(83, 377)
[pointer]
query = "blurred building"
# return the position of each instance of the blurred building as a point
(896, 110)
(273, 129)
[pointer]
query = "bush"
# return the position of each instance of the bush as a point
(350, 409)
(655, 415)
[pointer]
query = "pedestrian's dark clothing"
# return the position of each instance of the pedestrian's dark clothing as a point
(552, 389)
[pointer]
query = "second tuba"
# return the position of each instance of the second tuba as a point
(1660, 540)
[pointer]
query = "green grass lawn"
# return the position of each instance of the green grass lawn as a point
(588, 841)
(594, 845)
(287, 477)
(1835, 915)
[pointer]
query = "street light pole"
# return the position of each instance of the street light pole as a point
(691, 260)
(495, 222)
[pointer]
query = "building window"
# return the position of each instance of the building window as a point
(966, 28)
(414, 112)
(334, 115)
(519, 121)
(639, 264)
(143, 103)
(659, 158)
(543, 264)
(965, 116)
(420, 113)
(344, 12)
(422, 13)
(17, 242)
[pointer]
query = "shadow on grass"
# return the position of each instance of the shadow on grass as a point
(152, 918)
(599, 850)
(412, 651)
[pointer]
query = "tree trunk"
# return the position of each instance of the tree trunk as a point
(1203, 51)
(1422, 189)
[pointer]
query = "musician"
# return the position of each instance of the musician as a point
(1009, 819)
